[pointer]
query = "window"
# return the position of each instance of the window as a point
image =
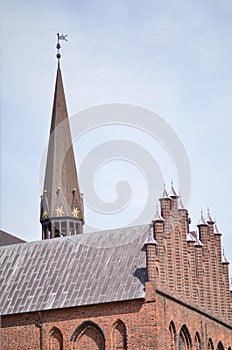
(184, 340)
(88, 336)
(210, 344)
(172, 330)
(197, 341)
(64, 228)
(119, 336)
(181, 342)
(55, 339)
(220, 346)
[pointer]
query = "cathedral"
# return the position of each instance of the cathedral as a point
(155, 286)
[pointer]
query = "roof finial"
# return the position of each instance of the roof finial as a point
(58, 46)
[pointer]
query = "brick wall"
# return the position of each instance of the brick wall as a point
(188, 268)
(128, 325)
(199, 326)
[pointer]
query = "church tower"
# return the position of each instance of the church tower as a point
(62, 211)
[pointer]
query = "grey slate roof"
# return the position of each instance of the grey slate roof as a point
(7, 239)
(73, 271)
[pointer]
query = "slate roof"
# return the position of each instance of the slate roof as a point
(7, 239)
(73, 271)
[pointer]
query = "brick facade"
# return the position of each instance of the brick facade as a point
(154, 324)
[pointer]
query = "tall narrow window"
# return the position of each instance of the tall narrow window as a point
(184, 340)
(210, 344)
(197, 341)
(72, 228)
(119, 336)
(172, 330)
(55, 339)
(181, 343)
(64, 228)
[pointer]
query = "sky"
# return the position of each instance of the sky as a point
(171, 57)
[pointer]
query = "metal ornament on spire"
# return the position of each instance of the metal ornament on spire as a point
(58, 46)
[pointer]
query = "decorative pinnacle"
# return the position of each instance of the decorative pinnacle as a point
(165, 193)
(150, 239)
(202, 220)
(58, 46)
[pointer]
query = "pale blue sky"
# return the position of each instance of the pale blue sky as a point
(172, 57)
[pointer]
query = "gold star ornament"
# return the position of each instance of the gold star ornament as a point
(59, 211)
(75, 212)
(44, 214)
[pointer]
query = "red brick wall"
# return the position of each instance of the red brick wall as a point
(20, 333)
(146, 326)
(193, 272)
(169, 311)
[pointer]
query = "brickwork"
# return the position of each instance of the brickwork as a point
(137, 325)
(130, 325)
(173, 315)
(193, 268)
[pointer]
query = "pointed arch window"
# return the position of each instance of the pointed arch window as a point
(210, 344)
(172, 331)
(55, 339)
(184, 340)
(197, 342)
(220, 346)
(119, 336)
(88, 336)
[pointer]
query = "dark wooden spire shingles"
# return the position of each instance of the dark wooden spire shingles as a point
(61, 174)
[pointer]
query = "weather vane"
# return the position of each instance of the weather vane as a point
(58, 46)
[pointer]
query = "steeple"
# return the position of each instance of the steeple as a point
(61, 203)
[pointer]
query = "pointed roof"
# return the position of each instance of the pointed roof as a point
(208, 218)
(202, 222)
(61, 175)
(158, 216)
(181, 205)
(224, 258)
(190, 237)
(216, 229)
(165, 194)
(150, 238)
(198, 243)
(172, 192)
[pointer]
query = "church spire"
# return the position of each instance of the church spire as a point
(61, 202)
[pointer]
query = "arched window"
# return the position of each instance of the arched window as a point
(210, 344)
(119, 336)
(184, 340)
(172, 331)
(220, 346)
(197, 341)
(88, 336)
(55, 339)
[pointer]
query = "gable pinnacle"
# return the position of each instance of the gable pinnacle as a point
(158, 216)
(172, 192)
(165, 194)
(202, 220)
(208, 218)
